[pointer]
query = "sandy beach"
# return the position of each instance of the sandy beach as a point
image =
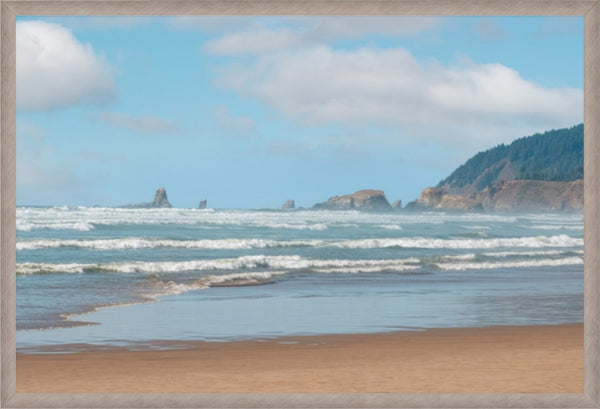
(527, 359)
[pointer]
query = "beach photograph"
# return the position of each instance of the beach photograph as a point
(299, 204)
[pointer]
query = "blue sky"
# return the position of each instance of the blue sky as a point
(248, 112)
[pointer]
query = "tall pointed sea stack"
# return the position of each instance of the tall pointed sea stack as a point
(160, 198)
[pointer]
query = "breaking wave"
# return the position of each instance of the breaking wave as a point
(511, 264)
(293, 263)
(240, 263)
(241, 244)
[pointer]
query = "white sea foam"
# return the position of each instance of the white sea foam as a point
(476, 227)
(293, 262)
(390, 226)
(225, 280)
(57, 225)
(146, 243)
(530, 253)
(244, 244)
(86, 218)
(386, 266)
(511, 264)
(432, 243)
(505, 254)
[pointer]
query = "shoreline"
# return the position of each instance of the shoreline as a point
(499, 359)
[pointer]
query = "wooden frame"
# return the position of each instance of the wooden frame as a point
(589, 9)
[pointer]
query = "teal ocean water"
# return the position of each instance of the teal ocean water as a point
(138, 277)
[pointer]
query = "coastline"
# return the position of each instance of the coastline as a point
(503, 359)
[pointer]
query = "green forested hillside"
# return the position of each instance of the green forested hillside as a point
(555, 155)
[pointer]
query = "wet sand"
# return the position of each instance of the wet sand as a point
(526, 359)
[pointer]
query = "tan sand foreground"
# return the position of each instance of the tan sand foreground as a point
(536, 359)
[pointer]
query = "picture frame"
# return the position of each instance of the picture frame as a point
(589, 9)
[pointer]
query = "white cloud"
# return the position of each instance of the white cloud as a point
(389, 87)
(261, 35)
(55, 70)
(145, 124)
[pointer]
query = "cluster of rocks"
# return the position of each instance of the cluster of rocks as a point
(510, 195)
(371, 200)
(160, 201)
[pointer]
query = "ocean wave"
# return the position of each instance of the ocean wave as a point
(500, 255)
(557, 227)
(293, 262)
(544, 253)
(432, 243)
(511, 264)
(246, 244)
(389, 226)
(146, 243)
(224, 280)
(48, 225)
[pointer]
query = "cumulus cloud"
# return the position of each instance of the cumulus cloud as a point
(55, 70)
(259, 36)
(389, 87)
(145, 124)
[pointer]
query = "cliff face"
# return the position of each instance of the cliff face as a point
(373, 200)
(438, 198)
(512, 195)
(530, 195)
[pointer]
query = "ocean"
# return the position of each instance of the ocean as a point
(146, 278)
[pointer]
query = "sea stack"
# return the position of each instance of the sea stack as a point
(160, 198)
(202, 204)
(371, 200)
(397, 204)
(160, 201)
(289, 205)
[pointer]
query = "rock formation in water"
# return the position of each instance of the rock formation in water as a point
(160, 201)
(372, 200)
(289, 205)
(397, 204)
